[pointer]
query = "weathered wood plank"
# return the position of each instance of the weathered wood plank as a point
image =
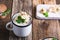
(21, 5)
(4, 34)
(45, 28)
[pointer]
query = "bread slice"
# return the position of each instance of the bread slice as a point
(3, 8)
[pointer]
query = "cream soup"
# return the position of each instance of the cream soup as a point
(23, 15)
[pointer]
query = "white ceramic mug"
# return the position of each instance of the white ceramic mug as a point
(21, 31)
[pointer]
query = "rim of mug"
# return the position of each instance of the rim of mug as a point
(24, 25)
(50, 37)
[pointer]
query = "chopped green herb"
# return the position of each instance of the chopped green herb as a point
(20, 20)
(54, 39)
(45, 14)
(23, 20)
(6, 12)
(19, 17)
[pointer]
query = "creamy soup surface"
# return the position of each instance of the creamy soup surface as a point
(23, 15)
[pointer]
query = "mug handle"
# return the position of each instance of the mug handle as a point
(9, 23)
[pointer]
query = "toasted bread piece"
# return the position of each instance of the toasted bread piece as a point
(3, 8)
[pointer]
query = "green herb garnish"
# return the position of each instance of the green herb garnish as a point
(54, 39)
(6, 12)
(45, 14)
(20, 20)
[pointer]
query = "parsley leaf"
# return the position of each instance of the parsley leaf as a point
(54, 39)
(45, 14)
(19, 17)
(20, 20)
(23, 20)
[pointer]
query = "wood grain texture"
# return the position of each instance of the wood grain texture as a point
(8, 3)
(21, 5)
(45, 28)
(4, 34)
(41, 28)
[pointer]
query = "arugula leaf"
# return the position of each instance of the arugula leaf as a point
(45, 14)
(54, 39)
(6, 12)
(20, 20)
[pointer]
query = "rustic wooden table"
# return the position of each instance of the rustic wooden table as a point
(21, 5)
(41, 28)
(4, 34)
(45, 28)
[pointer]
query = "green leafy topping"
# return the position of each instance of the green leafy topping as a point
(23, 20)
(54, 39)
(19, 17)
(20, 20)
(6, 12)
(45, 14)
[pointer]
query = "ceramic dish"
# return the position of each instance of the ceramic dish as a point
(50, 38)
(48, 11)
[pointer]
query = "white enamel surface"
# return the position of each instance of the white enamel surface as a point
(51, 15)
(22, 32)
(48, 39)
